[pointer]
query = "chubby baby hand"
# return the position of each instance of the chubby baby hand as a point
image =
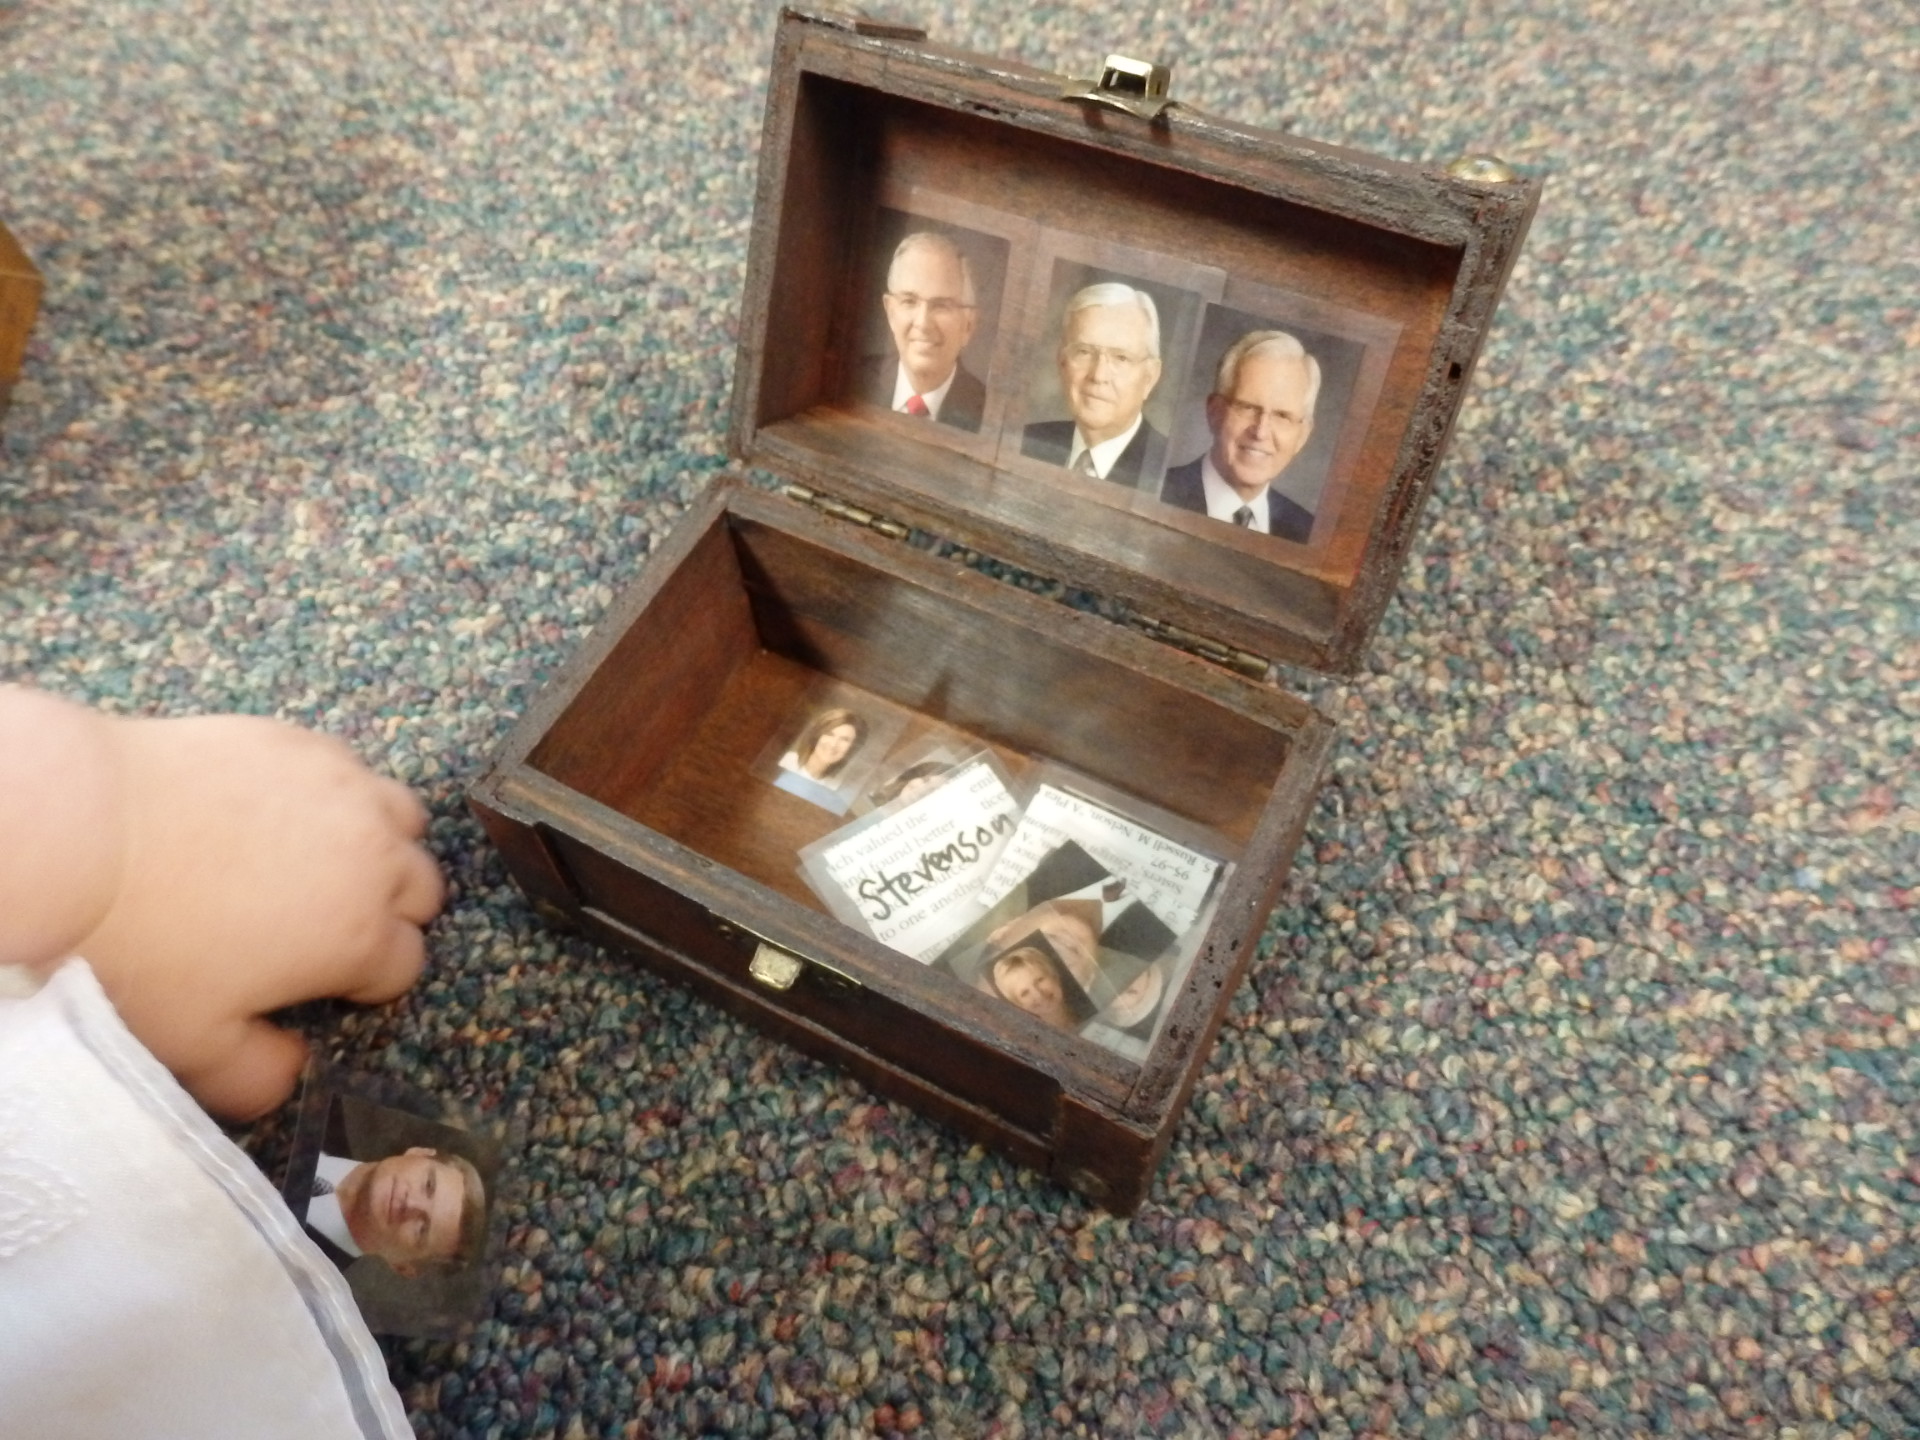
(243, 865)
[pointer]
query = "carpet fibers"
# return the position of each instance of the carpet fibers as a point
(1574, 1090)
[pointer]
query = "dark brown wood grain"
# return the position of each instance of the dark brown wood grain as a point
(628, 802)
(19, 306)
(850, 116)
(634, 714)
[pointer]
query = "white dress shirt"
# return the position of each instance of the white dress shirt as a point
(903, 391)
(1223, 500)
(1107, 452)
(323, 1211)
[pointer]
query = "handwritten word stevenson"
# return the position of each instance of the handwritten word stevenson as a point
(885, 893)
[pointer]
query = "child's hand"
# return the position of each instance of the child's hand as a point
(241, 865)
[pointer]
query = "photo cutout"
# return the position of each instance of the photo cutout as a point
(933, 299)
(911, 770)
(1272, 411)
(828, 752)
(1072, 946)
(1099, 404)
(402, 1199)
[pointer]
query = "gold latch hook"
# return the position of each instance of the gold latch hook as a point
(1138, 87)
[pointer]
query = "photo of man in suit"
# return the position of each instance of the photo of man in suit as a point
(1109, 362)
(932, 311)
(406, 1222)
(1261, 413)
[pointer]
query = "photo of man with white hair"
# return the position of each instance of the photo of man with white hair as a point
(932, 309)
(1261, 414)
(1109, 363)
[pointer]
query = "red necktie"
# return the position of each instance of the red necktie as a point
(916, 406)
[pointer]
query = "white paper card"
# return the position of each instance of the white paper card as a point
(910, 871)
(1171, 878)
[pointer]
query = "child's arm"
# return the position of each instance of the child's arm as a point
(211, 870)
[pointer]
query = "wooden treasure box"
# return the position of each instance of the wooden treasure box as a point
(19, 303)
(634, 798)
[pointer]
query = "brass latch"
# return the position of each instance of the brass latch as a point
(778, 968)
(1138, 87)
(775, 968)
(841, 510)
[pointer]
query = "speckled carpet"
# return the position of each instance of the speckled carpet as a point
(1575, 1090)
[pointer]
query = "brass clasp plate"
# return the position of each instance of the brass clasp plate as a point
(775, 968)
(1138, 87)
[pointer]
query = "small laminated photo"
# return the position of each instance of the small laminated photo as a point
(828, 751)
(1072, 944)
(401, 1193)
(906, 872)
(1274, 412)
(911, 771)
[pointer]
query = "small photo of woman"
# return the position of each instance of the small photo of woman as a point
(1032, 974)
(1074, 947)
(815, 766)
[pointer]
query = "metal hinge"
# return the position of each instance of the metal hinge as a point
(841, 510)
(1241, 662)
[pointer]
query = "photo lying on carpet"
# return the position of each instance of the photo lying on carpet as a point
(907, 872)
(827, 752)
(1073, 944)
(402, 1195)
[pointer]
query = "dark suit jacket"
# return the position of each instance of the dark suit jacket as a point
(966, 402)
(1052, 441)
(1185, 489)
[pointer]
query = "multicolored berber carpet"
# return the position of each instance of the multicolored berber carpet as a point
(1574, 1092)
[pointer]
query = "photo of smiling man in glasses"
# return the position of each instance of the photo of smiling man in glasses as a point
(933, 304)
(1109, 362)
(1261, 414)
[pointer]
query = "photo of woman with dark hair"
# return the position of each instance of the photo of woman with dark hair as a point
(910, 784)
(819, 755)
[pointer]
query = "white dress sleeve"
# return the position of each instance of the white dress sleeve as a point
(152, 1283)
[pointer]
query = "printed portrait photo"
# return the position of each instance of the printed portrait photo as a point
(402, 1203)
(910, 771)
(1098, 402)
(1071, 946)
(830, 748)
(932, 315)
(1268, 412)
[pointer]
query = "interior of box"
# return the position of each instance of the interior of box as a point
(855, 149)
(673, 727)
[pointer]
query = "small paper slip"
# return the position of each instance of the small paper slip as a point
(907, 873)
(1172, 879)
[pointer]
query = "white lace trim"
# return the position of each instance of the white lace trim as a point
(38, 1199)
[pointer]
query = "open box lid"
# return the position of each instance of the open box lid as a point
(1387, 275)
